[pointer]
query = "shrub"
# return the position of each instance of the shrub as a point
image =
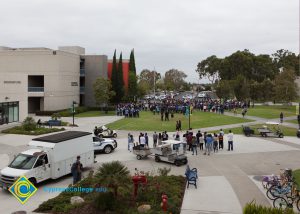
(55, 116)
(29, 124)
(164, 171)
(252, 207)
(105, 201)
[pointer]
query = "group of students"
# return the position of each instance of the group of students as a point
(144, 140)
(207, 141)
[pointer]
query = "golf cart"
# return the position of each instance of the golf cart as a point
(104, 132)
(247, 131)
(271, 129)
(171, 151)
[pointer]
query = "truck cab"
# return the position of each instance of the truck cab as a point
(33, 163)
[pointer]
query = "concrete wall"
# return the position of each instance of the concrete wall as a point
(95, 66)
(61, 77)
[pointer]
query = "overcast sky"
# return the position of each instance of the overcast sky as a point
(164, 33)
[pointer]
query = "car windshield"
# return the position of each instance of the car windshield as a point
(23, 161)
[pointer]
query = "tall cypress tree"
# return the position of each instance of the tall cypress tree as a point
(132, 82)
(132, 62)
(114, 76)
(120, 88)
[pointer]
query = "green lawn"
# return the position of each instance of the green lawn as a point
(150, 122)
(287, 131)
(271, 112)
(296, 174)
(95, 114)
(292, 121)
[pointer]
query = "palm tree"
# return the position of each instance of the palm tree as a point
(114, 175)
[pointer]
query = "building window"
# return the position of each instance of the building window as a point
(9, 112)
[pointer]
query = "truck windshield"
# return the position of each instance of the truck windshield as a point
(23, 161)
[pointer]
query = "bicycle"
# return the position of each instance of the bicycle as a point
(283, 203)
(269, 181)
(279, 190)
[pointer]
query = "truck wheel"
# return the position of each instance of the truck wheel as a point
(157, 159)
(107, 149)
(184, 161)
(177, 163)
(280, 136)
(138, 157)
(115, 135)
(33, 181)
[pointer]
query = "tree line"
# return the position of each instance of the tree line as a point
(246, 76)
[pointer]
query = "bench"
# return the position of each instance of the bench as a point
(191, 176)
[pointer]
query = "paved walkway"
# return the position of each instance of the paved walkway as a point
(225, 182)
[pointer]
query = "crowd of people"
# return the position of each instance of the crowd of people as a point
(129, 109)
(206, 142)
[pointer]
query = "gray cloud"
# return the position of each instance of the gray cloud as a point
(165, 34)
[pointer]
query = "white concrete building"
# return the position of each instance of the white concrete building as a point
(38, 79)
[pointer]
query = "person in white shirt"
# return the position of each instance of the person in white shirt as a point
(142, 141)
(230, 141)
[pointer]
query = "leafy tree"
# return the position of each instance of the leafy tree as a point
(263, 68)
(285, 86)
(286, 59)
(224, 89)
(103, 91)
(147, 78)
(143, 88)
(114, 175)
(174, 79)
(209, 68)
(267, 90)
(238, 63)
(241, 88)
(114, 76)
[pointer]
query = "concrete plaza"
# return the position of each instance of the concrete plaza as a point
(227, 179)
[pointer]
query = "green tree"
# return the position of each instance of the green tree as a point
(174, 79)
(114, 76)
(267, 88)
(120, 92)
(224, 89)
(132, 86)
(287, 60)
(132, 79)
(147, 78)
(263, 68)
(209, 68)
(285, 86)
(132, 62)
(113, 175)
(103, 91)
(241, 88)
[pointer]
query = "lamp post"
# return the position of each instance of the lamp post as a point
(189, 116)
(73, 110)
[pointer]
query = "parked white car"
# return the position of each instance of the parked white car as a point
(106, 145)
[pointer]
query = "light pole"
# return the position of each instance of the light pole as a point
(189, 117)
(73, 110)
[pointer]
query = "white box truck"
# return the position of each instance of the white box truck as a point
(48, 157)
